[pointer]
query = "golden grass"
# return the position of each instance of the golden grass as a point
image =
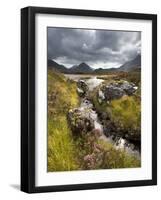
(126, 112)
(66, 153)
(62, 151)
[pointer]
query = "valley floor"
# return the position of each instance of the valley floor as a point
(87, 131)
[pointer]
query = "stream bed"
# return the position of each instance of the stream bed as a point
(117, 142)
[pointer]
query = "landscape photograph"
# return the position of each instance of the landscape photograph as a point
(94, 99)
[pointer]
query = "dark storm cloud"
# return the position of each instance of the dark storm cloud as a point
(99, 48)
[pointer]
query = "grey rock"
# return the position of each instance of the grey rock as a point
(113, 92)
(80, 92)
(82, 87)
(116, 90)
(129, 88)
(80, 121)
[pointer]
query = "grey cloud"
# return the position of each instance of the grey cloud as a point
(72, 46)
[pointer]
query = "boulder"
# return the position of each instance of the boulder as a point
(116, 90)
(80, 121)
(82, 88)
(129, 88)
(113, 92)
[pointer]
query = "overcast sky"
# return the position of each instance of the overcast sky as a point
(98, 48)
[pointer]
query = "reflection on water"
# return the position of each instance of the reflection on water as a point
(92, 81)
(76, 77)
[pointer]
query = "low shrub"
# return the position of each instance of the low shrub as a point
(100, 154)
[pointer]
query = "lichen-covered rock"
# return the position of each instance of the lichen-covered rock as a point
(82, 88)
(113, 92)
(80, 121)
(116, 90)
(129, 88)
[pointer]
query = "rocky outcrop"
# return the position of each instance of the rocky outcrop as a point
(80, 121)
(111, 91)
(82, 88)
(129, 88)
(111, 129)
(116, 90)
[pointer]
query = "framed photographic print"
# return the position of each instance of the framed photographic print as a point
(88, 99)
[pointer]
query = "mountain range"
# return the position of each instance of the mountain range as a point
(131, 65)
(83, 68)
(54, 65)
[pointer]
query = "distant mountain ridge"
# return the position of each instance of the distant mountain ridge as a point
(81, 68)
(84, 68)
(132, 64)
(102, 70)
(56, 66)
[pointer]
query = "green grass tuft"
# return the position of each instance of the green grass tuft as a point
(62, 150)
(126, 112)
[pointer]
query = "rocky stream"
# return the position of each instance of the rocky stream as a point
(90, 119)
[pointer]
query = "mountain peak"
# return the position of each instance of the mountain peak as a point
(83, 63)
(81, 68)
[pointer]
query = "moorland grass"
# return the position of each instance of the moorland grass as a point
(65, 152)
(62, 151)
(114, 159)
(126, 112)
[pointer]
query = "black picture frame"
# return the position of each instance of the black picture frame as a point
(28, 98)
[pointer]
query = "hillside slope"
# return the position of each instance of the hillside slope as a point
(55, 66)
(132, 65)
